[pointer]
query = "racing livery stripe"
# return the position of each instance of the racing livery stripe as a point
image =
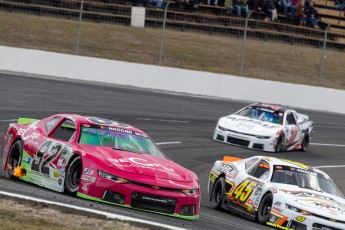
(128, 206)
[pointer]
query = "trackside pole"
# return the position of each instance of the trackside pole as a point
(244, 42)
(323, 57)
(78, 28)
(163, 32)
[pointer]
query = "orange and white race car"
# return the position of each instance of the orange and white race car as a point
(277, 192)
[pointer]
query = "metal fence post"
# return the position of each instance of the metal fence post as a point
(323, 57)
(244, 42)
(78, 28)
(163, 32)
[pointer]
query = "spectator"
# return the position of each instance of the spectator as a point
(300, 14)
(311, 14)
(229, 6)
(287, 6)
(269, 9)
(187, 5)
(156, 3)
(241, 7)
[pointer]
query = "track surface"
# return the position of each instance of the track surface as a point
(166, 118)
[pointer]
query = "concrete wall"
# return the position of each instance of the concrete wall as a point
(170, 79)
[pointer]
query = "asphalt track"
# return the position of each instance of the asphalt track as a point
(166, 118)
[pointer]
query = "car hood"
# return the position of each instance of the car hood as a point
(313, 201)
(247, 125)
(142, 164)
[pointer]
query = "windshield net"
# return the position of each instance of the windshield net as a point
(304, 179)
(119, 139)
(262, 114)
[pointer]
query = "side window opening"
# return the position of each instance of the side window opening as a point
(66, 131)
(50, 124)
(260, 170)
(290, 119)
(249, 163)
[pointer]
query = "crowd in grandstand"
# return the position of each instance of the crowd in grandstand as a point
(302, 11)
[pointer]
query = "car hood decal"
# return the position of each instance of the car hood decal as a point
(143, 164)
(247, 125)
(315, 201)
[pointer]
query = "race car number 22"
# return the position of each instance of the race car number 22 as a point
(243, 190)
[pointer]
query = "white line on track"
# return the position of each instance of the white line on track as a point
(335, 145)
(9, 120)
(169, 143)
(162, 120)
(108, 215)
(329, 166)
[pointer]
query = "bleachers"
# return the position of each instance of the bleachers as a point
(211, 19)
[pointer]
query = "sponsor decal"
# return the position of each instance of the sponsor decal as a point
(85, 186)
(212, 177)
(27, 159)
(229, 169)
(60, 181)
(140, 163)
(301, 218)
(88, 171)
(156, 187)
(101, 121)
(56, 175)
(276, 209)
(88, 178)
(278, 203)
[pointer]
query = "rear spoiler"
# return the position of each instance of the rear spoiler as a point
(231, 159)
(24, 121)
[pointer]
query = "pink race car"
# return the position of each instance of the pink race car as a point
(100, 160)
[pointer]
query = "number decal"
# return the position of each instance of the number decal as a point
(46, 154)
(293, 135)
(244, 190)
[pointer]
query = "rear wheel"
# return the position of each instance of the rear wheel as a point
(14, 158)
(305, 143)
(279, 144)
(218, 193)
(73, 175)
(265, 208)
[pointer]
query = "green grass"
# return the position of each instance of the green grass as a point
(278, 61)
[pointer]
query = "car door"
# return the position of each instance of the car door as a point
(246, 183)
(291, 130)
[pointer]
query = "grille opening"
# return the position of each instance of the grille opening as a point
(220, 137)
(153, 203)
(258, 146)
(113, 197)
(237, 141)
(187, 210)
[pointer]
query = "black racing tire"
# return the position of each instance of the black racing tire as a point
(280, 144)
(305, 143)
(73, 175)
(264, 209)
(14, 158)
(218, 193)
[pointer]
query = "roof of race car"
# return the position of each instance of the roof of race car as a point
(99, 121)
(286, 162)
(277, 108)
(275, 161)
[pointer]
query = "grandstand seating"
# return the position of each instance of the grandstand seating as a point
(211, 19)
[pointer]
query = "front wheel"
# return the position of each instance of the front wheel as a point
(264, 209)
(73, 175)
(305, 143)
(279, 144)
(218, 193)
(14, 158)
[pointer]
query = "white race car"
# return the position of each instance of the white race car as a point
(277, 192)
(265, 127)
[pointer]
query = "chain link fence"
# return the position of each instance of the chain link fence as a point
(180, 34)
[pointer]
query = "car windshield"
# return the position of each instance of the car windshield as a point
(304, 179)
(118, 138)
(262, 114)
